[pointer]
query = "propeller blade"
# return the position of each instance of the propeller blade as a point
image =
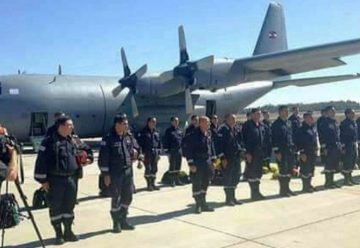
(126, 67)
(166, 76)
(188, 102)
(141, 72)
(134, 108)
(184, 56)
(116, 91)
(59, 70)
(125, 92)
(205, 63)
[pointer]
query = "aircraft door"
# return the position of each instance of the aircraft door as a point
(210, 107)
(38, 125)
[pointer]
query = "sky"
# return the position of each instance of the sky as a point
(85, 36)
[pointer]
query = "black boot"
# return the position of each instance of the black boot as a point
(123, 220)
(290, 192)
(347, 181)
(334, 184)
(328, 182)
(153, 179)
(307, 185)
(68, 233)
(172, 179)
(149, 185)
(352, 180)
(197, 209)
(204, 206)
(255, 192)
(59, 239)
(228, 198)
(177, 179)
(282, 185)
(116, 222)
(235, 201)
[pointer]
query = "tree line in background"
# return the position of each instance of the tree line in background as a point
(339, 106)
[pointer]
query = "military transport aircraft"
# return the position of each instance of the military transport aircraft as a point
(205, 86)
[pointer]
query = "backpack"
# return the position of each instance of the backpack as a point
(9, 211)
(40, 199)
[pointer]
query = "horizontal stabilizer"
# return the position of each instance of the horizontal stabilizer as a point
(298, 60)
(315, 80)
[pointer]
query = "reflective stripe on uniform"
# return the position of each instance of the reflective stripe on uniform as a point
(104, 169)
(197, 193)
(68, 216)
(115, 209)
(57, 217)
(124, 206)
(40, 176)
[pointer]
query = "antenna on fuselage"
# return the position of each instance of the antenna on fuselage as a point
(59, 70)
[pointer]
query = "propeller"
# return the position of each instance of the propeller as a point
(186, 70)
(59, 70)
(129, 82)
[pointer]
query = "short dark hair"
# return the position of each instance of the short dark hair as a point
(348, 111)
(62, 120)
(254, 110)
(193, 117)
(151, 118)
(294, 107)
(307, 113)
(283, 107)
(213, 117)
(120, 118)
(59, 114)
(173, 118)
(248, 113)
(328, 108)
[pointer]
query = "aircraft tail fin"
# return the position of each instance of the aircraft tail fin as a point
(272, 36)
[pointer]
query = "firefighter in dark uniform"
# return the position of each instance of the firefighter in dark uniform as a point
(229, 149)
(358, 125)
(319, 127)
(118, 151)
(200, 155)
(214, 125)
(194, 124)
(150, 143)
(330, 143)
(254, 141)
(267, 139)
(172, 146)
(284, 149)
(243, 128)
(295, 121)
(306, 143)
(53, 129)
(56, 169)
(349, 138)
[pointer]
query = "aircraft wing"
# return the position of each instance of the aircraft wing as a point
(298, 60)
(314, 80)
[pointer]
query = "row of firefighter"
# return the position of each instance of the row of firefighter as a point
(214, 153)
